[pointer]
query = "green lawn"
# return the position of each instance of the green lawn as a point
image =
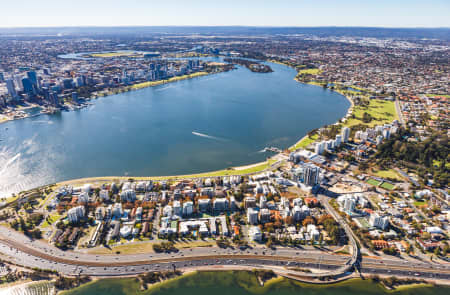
(309, 72)
(391, 173)
(51, 219)
(437, 163)
(382, 111)
(364, 223)
(10, 199)
(304, 142)
(388, 186)
(225, 172)
(434, 95)
(173, 79)
(147, 247)
(419, 203)
(373, 182)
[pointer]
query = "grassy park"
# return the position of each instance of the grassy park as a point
(381, 111)
(388, 174)
(147, 247)
(304, 142)
(308, 72)
(249, 169)
(419, 203)
(51, 219)
(438, 95)
(161, 82)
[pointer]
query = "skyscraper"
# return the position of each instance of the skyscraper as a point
(345, 134)
(53, 98)
(338, 140)
(11, 88)
(319, 148)
(379, 139)
(33, 78)
(311, 174)
(27, 85)
(349, 205)
(386, 133)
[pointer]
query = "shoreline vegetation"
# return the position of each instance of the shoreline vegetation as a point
(251, 280)
(254, 281)
(395, 284)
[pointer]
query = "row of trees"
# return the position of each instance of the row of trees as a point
(164, 247)
(28, 227)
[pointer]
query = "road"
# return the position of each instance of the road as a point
(324, 200)
(19, 249)
(399, 112)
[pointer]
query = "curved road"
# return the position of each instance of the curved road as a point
(19, 249)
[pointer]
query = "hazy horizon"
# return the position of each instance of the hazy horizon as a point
(251, 13)
(213, 26)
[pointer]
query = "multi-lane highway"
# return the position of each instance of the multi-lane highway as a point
(19, 249)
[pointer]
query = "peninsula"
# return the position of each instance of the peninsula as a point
(252, 65)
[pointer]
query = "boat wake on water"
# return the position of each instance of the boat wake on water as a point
(9, 162)
(164, 88)
(208, 136)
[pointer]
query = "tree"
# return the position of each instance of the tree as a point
(409, 249)
(390, 251)
(289, 220)
(437, 251)
(363, 166)
(366, 117)
(269, 243)
(445, 250)
(308, 220)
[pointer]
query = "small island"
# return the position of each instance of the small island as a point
(253, 66)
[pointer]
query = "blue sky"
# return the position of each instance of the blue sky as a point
(386, 13)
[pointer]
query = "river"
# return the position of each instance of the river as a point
(202, 124)
(243, 283)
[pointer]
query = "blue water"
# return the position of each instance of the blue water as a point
(203, 124)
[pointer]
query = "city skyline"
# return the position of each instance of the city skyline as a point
(283, 13)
